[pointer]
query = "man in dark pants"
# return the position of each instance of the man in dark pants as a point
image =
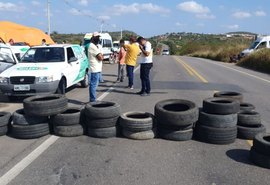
(146, 65)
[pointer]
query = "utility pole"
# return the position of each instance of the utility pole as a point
(101, 26)
(121, 33)
(49, 17)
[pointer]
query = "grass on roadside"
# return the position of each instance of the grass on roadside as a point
(259, 60)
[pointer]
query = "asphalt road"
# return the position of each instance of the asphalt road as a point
(119, 161)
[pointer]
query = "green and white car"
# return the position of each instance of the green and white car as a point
(46, 70)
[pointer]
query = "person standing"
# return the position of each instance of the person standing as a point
(95, 58)
(146, 65)
(43, 42)
(133, 51)
(121, 63)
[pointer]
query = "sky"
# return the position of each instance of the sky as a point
(146, 18)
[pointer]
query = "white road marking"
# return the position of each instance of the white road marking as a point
(25, 162)
(245, 73)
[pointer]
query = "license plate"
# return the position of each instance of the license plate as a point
(21, 87)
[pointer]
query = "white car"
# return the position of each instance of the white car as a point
(165, 52)
(260, 43)
(7, 57)
(46, 70)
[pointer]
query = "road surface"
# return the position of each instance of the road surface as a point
(119, 161)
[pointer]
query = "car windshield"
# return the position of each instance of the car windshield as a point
(254, 45)
(6, 55)
(46, 54)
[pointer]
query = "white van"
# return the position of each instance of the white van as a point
(260, 43)
(7, 57)
(105, 42)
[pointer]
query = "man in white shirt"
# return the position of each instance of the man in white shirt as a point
(95, 58)
(146, 65)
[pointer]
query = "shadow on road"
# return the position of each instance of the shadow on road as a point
(239, 155)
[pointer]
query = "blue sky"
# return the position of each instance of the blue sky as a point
(147, 18)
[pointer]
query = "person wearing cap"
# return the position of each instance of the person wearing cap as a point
(95, 58)
(132, 53)
(146, 65)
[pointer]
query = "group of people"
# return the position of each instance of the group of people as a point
(128, 56)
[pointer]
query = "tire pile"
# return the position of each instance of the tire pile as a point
(4, 122)
(175, 119)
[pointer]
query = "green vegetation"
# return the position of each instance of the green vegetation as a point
(259, 60)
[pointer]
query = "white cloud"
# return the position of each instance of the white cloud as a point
(8, 7)
(120, 9)
(193, 7)
(205, 16)
(260, 13)
(241, 15)
(35, 3)
(104, 18)
(179, 24)
(233, 27)
(83, 2)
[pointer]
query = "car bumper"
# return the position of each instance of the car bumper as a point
(41, 88)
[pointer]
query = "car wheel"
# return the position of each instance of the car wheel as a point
(85, 81)
(61, 87)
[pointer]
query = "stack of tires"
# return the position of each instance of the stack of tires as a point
(32, 121)
(137, 125)
(249, 124)
(175, 119)
(68, 123)
(260, 151)
(4, 122)
(217, 121)
(101, 119)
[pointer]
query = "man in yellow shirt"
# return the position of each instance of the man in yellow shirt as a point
(133, 51)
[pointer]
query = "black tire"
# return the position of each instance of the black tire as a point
(3, 130)
(221, 106)
(247, 107)
(4, 118)
(173, 127)
(69, 131)
(71, 116)
(176, 112)
(143, 135)
(20, 118)
(216, 135)
(46, 105)
(228, 94)
(102, 110)
(176, 135)
(61, 89)
(250, 132)
(30, 131)
(85, 81)
(261, 143)
(137, 121)
(249, 118)
(102, 132)
(259, 159)
(217, 121)
(102, 123)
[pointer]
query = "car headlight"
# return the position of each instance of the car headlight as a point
(45, 79)
(3, 80)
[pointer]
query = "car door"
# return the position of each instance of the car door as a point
(7, 59)
(83, 63)
(73, 67)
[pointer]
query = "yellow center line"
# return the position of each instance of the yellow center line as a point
(184, 65)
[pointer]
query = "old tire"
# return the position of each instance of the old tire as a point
(143, 135)
(249, 132)
(216, 135)
(176, 135)
(173, 127)
(3, 130)
(217, 121)
(136, 121)
(20, 118)
(102, 132)
(221, 106)
(259, 159)
(30, 131)
(247, 107)
(71, 116)
(228, 94)
(102, 110)
(69, 131)
(261, 143)
(4, 118)
(176, 112)
(46, 105)
(249, 118)
(102, 123)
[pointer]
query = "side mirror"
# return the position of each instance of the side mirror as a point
(72, 59)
